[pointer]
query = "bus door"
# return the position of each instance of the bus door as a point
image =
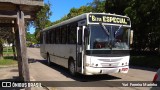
(80, 49)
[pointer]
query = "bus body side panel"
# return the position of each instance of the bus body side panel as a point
(42, 51)
(43, 45)
(60, 53)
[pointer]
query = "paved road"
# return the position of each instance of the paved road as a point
(41, 72)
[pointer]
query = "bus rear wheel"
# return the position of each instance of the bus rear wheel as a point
(71, 68)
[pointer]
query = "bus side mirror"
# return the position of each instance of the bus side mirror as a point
(131, 37)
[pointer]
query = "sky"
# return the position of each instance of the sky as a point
(60, 8)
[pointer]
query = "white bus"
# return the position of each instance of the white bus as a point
(91, 43)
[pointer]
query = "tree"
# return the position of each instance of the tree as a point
(11, 40)
(98, 6)
(145, 16)
(1, 48)
(42, 20)
(116, 6)
(78, 11)
(28, 36)
(8, 36)
(31, 38)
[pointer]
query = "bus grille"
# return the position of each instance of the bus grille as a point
(110, 60)
(109, 64)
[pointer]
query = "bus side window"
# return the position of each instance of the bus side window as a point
(57, 35)
(50, 35)
(46, 37)
(53, 37)
(72, 33)
(60, 35)
(68, 34)
(63, 30)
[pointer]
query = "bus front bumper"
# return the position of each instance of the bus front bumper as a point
(97, 70)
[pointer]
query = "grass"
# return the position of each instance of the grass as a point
(145, 61)
(8, 60)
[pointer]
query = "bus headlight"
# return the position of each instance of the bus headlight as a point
(126, 63)
(89, 65)
(94, 65)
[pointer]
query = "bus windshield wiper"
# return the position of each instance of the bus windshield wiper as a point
(118, 29)
(106, 30)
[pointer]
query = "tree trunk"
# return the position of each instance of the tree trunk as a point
(1, 51)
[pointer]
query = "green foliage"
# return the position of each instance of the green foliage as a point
(98, 6)
(145, 18)
(1, 40)
(31, 38)
(42, 17)
(1, 48)
(42, 20)
(77, 11)
(116, 6)
(9, 39)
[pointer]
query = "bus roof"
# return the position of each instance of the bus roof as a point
(77, 18)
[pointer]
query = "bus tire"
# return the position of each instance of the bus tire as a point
(48, 60)
(71, 67)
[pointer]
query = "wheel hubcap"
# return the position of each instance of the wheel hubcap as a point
(72, 68)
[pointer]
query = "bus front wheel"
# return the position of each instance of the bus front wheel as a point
(71, 67)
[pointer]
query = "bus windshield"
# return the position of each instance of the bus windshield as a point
(109, 37)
